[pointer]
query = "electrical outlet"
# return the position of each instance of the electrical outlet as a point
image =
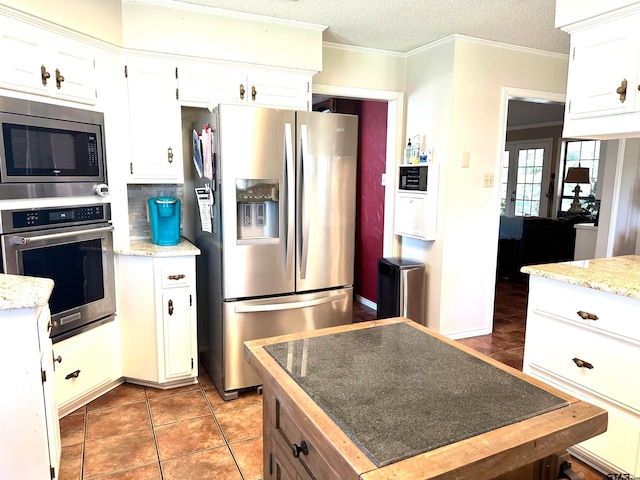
(488, 180)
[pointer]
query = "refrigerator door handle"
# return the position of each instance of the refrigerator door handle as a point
(306, 205)
(289, 207)
(289, 306)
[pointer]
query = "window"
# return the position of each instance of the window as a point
(579, 153)
(523, 166)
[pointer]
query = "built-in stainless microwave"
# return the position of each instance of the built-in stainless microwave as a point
(50, 151)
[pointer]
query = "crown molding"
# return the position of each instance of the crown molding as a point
(352, 48)
(186, 6)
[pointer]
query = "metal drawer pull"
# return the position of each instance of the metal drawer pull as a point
(298, 449)
(72, 375)
(622, 90)
(170, 306)
(586, 315)
(582, 363)
(176, 277)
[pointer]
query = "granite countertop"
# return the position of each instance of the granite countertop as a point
(617, 275)
(144, 248)
(19, 291)
(398, 392)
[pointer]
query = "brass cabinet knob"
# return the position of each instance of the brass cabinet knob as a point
(622, 90)
(57, 359)
(582, 364)
(170, 155)
(45, 75)
(170, 307)
(241, 92)
(254, 92)
(59, 79)
(586, 315)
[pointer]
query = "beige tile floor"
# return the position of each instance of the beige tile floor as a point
(141, 433)
(190, 433)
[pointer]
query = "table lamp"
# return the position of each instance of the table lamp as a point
(577, 175)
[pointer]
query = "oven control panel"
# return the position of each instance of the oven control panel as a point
(33, 219)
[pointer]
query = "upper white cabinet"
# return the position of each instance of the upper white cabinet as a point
(208, 85)
(602, 87)
(44, 63)
(154, 122)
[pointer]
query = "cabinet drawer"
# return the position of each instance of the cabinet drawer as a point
(176, 273)
(291, 433)
(615, 313)
(553, 343)
(87, 364)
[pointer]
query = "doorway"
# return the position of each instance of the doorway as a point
(372, 133)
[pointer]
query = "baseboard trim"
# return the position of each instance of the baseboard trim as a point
(366, 302)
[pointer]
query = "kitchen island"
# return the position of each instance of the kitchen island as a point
(392, 399)
(583, 337)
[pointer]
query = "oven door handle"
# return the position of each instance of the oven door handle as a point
(52, 236)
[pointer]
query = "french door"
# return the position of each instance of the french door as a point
(524, 179)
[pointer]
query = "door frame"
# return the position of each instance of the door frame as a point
(395, 145)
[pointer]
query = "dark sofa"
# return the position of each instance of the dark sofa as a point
(541, 240)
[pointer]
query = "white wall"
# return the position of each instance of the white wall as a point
(457, 102)
(100, 19)
(201, 32)
(361, 68)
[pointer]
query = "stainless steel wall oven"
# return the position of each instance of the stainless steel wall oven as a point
(73, 245)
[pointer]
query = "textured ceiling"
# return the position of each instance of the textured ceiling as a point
(403, 25)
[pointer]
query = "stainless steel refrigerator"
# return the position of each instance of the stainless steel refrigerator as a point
(279, 258)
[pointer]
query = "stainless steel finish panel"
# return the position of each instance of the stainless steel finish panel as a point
(411, 297)
(254, 319)
(27, 112)
(255, 143)
(327, 149)
(14, 244)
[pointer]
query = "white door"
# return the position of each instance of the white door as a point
(525, 174)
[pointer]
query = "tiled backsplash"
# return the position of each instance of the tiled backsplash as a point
(137, 196)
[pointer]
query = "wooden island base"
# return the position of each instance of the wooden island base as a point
(301, 441)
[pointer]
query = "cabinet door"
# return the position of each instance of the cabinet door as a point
(209, 85)
(279, 90)
(48, 388)
(22, 50)
(155, 125)
(601, 60)
(410, 215)
(43, 63)
(72, 71)
(178, 359)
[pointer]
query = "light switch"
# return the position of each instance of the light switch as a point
(383, 180)
(465, 160)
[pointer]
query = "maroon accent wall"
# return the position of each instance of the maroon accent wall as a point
(370, 197)
(372, 144)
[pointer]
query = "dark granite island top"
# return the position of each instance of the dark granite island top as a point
(401, 397)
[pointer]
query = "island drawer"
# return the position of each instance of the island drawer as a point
(287, 427)
(615, 313)
(583, 356)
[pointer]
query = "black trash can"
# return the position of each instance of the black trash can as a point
(400, 289)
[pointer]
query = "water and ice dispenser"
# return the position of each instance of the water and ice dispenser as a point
(257, 209)
(164, 215)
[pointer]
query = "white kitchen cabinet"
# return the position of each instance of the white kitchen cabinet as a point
(44, 63)
(156, 304)
(208, 85)
(416, 210)
(30, 440)
(602, 87)
(88, 365)
(586, 342)
(154, 122)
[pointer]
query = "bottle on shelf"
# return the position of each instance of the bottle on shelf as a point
(408, 153)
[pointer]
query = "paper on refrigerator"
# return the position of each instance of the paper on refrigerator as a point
(204, 196)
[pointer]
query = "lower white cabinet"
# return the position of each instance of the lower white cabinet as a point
(30, 439)
(587, 342)
(87, 366)
(156, 304)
